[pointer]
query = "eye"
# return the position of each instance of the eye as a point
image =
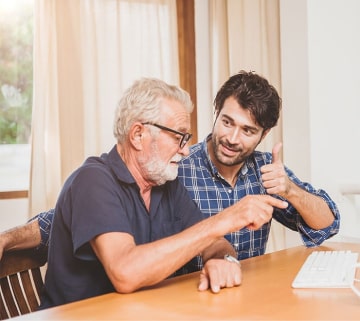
(226, 122)
(248, 131)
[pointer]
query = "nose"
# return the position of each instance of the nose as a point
(185, 151)
(233, 136)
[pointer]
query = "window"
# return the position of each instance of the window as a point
(16, 87)
(16, 74)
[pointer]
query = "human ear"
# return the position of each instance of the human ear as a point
(136, 134)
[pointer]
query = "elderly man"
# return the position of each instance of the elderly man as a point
(124, 221)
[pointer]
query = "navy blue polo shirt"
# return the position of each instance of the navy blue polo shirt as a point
(100, 197)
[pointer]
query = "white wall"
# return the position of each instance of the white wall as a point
(320, 42)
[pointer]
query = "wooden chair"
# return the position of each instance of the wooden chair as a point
(21, 282)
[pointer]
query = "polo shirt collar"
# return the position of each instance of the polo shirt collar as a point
(118, 166)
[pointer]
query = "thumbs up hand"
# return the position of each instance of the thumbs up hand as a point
(274, 177)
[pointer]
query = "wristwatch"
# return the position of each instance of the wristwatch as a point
(230, 258)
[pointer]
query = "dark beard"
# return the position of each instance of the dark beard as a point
(240, 159)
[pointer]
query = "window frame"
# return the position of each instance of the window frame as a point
(186, 47)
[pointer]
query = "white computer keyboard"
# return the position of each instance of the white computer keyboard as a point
(327, 269)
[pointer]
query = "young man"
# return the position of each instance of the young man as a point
(225, 167)
(124, 221)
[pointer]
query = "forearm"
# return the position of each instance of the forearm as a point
(218, 250)
(21, 237)
(132, 267)
(204, 238)
(312, 208)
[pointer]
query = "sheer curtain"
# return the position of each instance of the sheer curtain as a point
(245, 34)
(86, 53)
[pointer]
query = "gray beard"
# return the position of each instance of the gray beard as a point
(159, 172)
(156, 170)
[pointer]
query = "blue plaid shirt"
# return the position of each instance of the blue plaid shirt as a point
(213, 194)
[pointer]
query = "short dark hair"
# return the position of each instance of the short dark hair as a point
(254, 93)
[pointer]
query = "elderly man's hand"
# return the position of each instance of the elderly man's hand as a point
(218, 273)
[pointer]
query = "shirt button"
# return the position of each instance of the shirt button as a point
(230, 191)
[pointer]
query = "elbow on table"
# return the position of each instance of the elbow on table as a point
(125, 282)
(124, 288)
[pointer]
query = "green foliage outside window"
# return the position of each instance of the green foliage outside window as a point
(16, 75)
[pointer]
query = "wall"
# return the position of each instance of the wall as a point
(320, 42)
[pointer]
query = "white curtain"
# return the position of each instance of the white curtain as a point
(245, 34)
(86, 53)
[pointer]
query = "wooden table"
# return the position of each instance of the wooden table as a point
(265, 294)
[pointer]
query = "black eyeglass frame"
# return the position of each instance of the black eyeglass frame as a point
(185, 136)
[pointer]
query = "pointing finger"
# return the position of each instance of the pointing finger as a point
(276, 202)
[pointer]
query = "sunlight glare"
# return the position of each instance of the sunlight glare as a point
(9, 6)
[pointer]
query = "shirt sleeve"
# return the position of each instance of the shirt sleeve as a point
(45, 220)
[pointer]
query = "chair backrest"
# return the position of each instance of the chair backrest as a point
(21, 282)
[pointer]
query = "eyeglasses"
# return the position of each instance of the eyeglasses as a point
(185, 137)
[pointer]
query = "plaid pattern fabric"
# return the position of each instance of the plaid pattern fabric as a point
(213, 194)
(45, 220)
